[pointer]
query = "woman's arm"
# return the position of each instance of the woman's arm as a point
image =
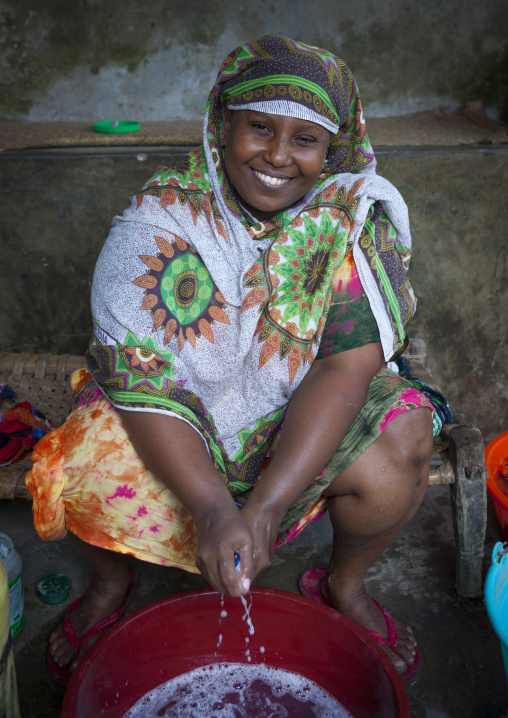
(175, 453)
(318, 418)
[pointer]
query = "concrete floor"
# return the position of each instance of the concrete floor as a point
(462, 670)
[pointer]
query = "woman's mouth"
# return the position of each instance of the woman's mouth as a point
(272, 181)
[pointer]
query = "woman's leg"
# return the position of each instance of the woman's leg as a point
(107, 591)
(370, 503)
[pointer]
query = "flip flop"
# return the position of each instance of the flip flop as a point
(62, 676)
(310, 586)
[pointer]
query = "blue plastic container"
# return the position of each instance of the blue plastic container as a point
(496, 596)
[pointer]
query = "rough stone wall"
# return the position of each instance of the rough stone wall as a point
(157, 59)
(458, 212)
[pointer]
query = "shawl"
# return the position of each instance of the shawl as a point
(203, 313)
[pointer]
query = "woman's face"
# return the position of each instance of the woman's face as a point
(272, 160)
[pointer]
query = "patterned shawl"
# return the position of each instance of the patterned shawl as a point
(205, 314)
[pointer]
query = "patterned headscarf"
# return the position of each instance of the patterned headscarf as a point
(281, 76)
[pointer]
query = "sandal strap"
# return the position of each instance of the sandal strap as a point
(392, 639)
(68, 628)
(311, 586)
(101, 625)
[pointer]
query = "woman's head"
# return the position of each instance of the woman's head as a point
(306, 98)
(272, 160)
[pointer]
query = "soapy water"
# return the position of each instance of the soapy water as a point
(238, 690)
(223, 614)
(246, 617)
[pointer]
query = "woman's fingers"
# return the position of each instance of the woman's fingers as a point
(220, 535)
(220, 571)
(246, 567)
(263, 528)
(237, 582)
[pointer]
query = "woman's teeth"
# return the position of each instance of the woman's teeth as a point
(274, 181)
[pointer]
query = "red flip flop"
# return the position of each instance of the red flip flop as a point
(310, 586)
(62, 676)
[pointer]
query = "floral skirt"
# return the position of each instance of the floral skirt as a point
(88, 479)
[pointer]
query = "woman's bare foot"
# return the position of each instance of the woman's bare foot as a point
(360, 608)
(103, 597)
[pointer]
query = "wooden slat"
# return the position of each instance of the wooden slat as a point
(442, 475)
(416, 351)
(31, 362)
(12, 481)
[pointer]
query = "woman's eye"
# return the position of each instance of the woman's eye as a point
(305, 140)
(260, 126)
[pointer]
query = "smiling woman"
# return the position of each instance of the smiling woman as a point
(272, 160)
(248, 307)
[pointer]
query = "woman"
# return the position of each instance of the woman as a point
(248, 300)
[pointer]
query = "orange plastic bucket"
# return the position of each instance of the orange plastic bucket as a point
(496, 461)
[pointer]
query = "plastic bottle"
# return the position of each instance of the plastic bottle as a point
(9, 705)
(12, 562)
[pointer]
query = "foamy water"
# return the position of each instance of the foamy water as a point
(246, 617)
(238, 690)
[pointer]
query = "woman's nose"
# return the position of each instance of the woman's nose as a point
(278, 152)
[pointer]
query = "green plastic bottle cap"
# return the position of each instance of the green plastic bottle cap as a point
(116, 126)
(54, 588)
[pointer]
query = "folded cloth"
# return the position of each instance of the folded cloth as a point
(442, 412)
(20, 428)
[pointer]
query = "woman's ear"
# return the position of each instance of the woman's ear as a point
(226, 120)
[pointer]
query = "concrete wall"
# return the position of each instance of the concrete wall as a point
(157, 59)
(56, 208)
(458, 211)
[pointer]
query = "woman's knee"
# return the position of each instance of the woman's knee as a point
(410, 436)
(394, 464)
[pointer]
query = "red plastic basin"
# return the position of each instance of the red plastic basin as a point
(179, 633)
(496, 456)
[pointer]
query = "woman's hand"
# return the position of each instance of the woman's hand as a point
(222, 531)
(263, 524)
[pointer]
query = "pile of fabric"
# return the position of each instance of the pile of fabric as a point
(21, 427)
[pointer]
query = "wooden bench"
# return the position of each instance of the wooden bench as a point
(458, 459)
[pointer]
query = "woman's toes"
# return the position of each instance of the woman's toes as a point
(61, 651)
(407, 638)
(59, 656)
(405, 651)
(399, 663)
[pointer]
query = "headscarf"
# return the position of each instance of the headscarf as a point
(203, 313)
(280, 76)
